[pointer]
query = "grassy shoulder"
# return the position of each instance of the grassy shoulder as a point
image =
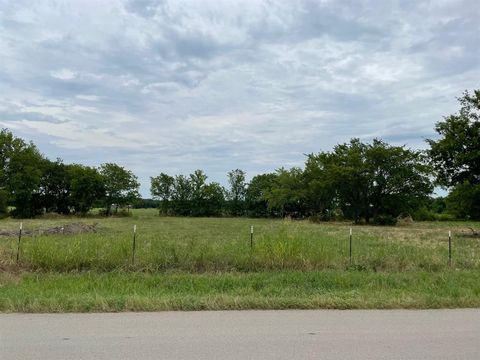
(137, 291)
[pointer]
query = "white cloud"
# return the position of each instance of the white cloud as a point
(88, 97)
(63, 74)
(179, 85)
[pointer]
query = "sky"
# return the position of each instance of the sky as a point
(174, 86)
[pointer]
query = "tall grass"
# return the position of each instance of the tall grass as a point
(212, 244)
(121, 291)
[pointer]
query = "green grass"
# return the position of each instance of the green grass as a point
(122, 291)
(207, 263)
(213, 244)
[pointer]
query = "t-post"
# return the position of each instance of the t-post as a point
(449, 248)
(350, 246)
(251, 237)
(19, 240)
(133, 245)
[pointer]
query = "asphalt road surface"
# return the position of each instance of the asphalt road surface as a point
(295, 334)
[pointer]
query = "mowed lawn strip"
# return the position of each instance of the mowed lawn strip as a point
(130, 291)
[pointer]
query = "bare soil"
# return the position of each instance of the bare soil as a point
(69, 229)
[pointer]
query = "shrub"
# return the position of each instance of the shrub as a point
(423, 214)
(445, 217)
(385, 220)
(318, 218)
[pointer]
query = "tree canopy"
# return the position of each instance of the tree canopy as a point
(121, 186)
(456, 157)
(456, 154)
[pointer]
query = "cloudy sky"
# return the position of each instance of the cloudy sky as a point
(172, 86)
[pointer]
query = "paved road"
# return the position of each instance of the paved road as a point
(323, 334)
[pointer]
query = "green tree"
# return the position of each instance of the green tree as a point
(198, 202)
(55, 187)
(86, 187)
(256, 195)
(121, 186)
(236, 193)
(20, 174)
(188, 196)
(3, 203)
(345, 172)
(320, 193)
(287, 195)
(456, 156)
(213, 199)
(182, 196)
(464, 201)
(162, 187)
(373, 180)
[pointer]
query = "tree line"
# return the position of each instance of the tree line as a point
(362, 181)
(32, 184)
(358, 181)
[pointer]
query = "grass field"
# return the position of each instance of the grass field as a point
(207, 263)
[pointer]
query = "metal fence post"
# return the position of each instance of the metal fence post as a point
(133, 245)
(449, 248)
(251, 237)
(19, 240)
(350, 245)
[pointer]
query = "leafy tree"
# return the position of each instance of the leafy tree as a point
(372, 180)
(86, 187)
(320, 194)
(182, 196)
(162, 187)
(401, 179)
(345, 171)
(236, 193)
(20, 174)
(464, 201)
(147, 204)
(256, 195)
(188, 196)
(121, 186)
(456, 156)
(3, 204)
(287, 195)
(207, 199)
(198, 181)
(213, 200)
(54, 189)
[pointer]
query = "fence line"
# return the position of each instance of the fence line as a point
(134, 245)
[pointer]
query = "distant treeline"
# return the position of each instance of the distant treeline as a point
(355, 181)
(33, 184)
(360, 181)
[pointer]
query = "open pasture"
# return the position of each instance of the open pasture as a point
(223, 244)
(207, 263)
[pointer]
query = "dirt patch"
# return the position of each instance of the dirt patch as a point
(471, 232)
(68, 229)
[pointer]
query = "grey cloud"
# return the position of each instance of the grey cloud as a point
(179, 85)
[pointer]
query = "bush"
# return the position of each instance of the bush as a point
(445, 217)
(117, 213)
(318, 218)
(464, 201)
(423, 214)
(385, 220)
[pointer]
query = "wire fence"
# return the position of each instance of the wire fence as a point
(257, 249)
